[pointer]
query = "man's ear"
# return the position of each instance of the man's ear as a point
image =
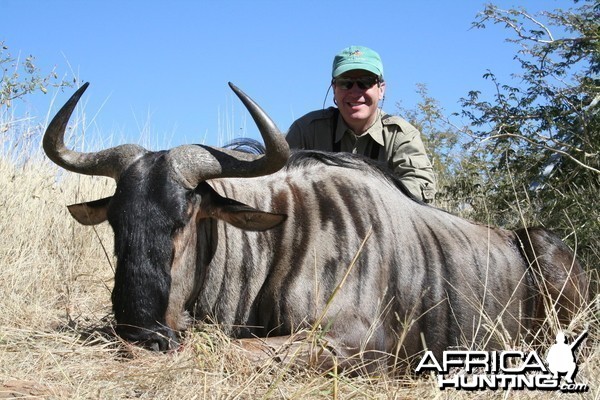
(91, 212)
(381, 90)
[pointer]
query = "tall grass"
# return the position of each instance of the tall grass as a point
(55, 309)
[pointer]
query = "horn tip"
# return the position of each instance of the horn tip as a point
(234, 88)
(83, 87)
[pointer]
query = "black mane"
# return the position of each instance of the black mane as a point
(351, 161)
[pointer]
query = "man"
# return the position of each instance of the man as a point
(359, 126)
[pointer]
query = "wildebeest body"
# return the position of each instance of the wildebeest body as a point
(259, 243)
(421, 268)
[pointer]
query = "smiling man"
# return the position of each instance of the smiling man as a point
(359, 126)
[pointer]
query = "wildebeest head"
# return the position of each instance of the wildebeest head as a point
(159, 195)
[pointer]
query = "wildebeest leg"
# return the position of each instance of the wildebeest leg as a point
(558, 275)
(302, 349)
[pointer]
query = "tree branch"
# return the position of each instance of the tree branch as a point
(544, 146)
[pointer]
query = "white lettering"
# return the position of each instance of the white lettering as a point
(476, 359)
(574, 387)
(505, 356)
(534, 363)
(452, 382)
(501, 370)
(435, 365)
(454, 358)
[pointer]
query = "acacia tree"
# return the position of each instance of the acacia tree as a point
(536, 144)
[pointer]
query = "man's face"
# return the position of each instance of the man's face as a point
(357, 105)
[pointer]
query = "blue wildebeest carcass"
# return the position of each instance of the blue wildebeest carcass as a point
(259, 242)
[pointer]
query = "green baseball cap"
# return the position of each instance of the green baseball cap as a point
(357, 57)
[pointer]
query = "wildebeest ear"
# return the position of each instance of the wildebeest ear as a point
(245, 217)
(236, 213)
(91, 212)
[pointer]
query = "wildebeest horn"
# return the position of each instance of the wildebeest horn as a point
(191, 163)
(194, 164)
(110, 162)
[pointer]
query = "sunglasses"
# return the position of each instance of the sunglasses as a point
(363, 83)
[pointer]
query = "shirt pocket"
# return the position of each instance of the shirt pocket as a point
(419, 161)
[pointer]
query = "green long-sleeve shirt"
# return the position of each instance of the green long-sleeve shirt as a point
(400, 144)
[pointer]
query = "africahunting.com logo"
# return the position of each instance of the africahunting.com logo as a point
(516, 370)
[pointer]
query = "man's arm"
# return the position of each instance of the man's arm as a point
(294, 136)
(411, 164)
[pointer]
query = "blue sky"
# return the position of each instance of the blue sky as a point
(159, 69)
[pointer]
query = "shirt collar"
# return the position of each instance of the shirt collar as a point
(375, 130)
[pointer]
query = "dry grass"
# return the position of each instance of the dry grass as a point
(55, 302)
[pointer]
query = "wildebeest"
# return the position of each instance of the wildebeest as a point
(258, 244)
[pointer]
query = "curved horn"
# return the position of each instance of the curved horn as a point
(110, 162)
(193, 164)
